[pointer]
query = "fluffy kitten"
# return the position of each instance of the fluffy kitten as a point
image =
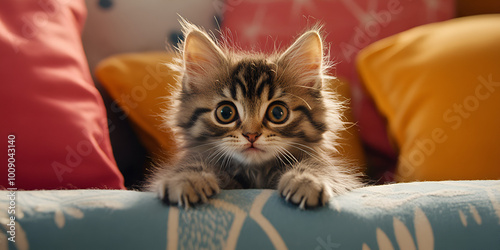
(253, 121)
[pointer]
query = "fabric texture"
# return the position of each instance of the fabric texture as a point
(438, 85)
(50, 104)
(432, 215)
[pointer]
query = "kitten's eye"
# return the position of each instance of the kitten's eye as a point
(277, 113)
(226, 113)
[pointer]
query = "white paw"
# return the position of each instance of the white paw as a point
(188, 188)
(304, 189)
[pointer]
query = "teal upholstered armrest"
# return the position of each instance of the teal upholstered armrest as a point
(425, 215)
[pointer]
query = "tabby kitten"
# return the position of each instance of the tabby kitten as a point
(253, 121)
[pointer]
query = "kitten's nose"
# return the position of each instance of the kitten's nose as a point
(251, 137)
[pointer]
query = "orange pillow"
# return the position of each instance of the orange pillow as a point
(439, 87)
(139, 83)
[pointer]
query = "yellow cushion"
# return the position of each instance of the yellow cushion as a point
(139, 83)
(439, 87)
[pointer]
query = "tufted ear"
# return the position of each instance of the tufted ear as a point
(306, 56)
(201, 55)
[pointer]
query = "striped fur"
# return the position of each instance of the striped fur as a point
(296, 156)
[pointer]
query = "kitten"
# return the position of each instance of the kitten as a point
(247, 120)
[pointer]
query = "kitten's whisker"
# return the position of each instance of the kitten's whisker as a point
(222, 155)
(279, 158)
(214, 154)
(219, 153)
(224, 159)
(318, 151)
(231, 156)
(302, 99)
(224, 164)
(204, 144)
(287, 156)
(280, 152)
(305, 146)
(276, 154)
(313, 154)
(227, 159)
(290, 155)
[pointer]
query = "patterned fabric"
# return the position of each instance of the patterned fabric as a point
(425, 215)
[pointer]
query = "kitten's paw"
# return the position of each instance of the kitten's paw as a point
(304, 189)
(188, 188)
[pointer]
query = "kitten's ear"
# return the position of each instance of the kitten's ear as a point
(305, 55)
(201, 54)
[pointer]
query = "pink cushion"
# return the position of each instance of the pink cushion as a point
(349, 26)
(49, 101)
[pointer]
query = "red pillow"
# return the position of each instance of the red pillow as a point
(54, 123)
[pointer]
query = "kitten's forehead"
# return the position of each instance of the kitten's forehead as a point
(253, 69)
(251, 78)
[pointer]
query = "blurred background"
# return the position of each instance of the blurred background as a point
(115, 28)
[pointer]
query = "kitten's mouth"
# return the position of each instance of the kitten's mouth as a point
(252, 148)
(251, 154)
